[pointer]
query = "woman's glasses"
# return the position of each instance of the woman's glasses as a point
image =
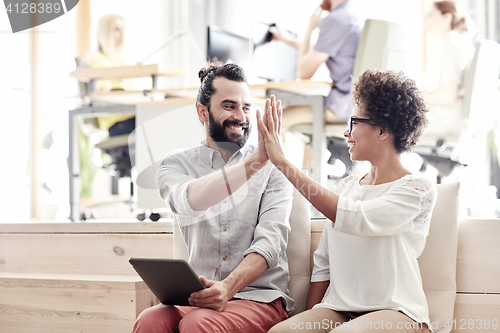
(359, 120)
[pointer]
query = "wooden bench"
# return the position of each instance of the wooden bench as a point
(478, 276)
(75, 277)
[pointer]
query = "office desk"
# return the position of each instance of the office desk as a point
(143, 153)
(91, 75)
(115, 102)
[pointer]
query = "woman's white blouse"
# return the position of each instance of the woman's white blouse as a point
(370, 253)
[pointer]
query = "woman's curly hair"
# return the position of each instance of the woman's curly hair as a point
(392, 99)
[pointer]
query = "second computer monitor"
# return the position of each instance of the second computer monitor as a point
(272, 60)
(262, 57)
(227, 47)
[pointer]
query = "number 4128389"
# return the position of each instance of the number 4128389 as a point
(469, 324)
(32, 8)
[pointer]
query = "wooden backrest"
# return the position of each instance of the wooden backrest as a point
(81, 248)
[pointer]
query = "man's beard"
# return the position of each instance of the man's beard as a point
(326, 5)
(231, 142)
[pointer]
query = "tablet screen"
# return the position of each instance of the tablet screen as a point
(171, 280)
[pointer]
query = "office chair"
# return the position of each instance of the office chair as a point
(478, 107)
(122, 151)
(117, 147)
(381, 46)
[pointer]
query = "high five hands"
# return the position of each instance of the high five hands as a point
(269, 125)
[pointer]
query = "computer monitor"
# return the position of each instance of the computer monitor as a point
(227, 47)
(272, 60)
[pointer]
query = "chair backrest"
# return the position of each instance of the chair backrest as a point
(180, 248)
(381, 46)
(439, 258)
(481, 84)
(161, 128)
(298, 251)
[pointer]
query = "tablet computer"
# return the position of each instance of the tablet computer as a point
(171, 280)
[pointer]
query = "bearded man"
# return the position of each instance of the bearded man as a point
(232, 207)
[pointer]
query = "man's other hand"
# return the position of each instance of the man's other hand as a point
(215, 296)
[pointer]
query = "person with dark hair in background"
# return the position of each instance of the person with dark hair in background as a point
(449, 52)
(366, 276)
(232, 208)
(339, 34)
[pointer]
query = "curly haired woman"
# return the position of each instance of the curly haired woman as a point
(366, 276)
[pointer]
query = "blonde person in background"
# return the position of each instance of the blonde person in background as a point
(449, 51)
(110, 37)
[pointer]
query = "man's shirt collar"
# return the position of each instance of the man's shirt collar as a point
(208, 155)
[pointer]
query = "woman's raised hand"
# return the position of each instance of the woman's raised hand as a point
(261, 149)
(269, 125)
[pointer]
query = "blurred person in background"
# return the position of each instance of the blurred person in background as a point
(449, 52)
(339, 34)
(110, 38)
